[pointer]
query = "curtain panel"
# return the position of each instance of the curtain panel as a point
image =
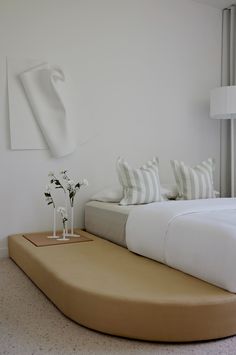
(227, 78)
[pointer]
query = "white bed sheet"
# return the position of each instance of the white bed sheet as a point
(197, 237)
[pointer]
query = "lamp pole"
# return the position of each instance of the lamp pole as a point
(232, 156)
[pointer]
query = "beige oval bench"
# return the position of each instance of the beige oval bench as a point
(107, 288)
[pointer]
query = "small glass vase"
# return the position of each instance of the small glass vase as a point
(54, 236)
(72, 234)
(64, 234)
(66, 208)
(64, 218)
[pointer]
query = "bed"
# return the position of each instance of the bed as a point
(107, 288)
(197, 237)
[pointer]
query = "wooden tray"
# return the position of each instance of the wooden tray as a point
(41, 239)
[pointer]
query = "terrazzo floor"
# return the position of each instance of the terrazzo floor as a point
(31, 325)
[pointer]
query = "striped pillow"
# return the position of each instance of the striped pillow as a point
(140, 185)
(194, 183)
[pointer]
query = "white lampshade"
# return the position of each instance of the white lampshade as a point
(223, 102)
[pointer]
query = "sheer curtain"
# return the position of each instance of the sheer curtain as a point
(227, 78)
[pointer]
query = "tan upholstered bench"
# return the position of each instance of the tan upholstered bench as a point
(107, 288)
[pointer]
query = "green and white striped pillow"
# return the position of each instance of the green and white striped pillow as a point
(141, 185)
(194, 183)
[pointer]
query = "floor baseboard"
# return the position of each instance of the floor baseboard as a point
(3, 253)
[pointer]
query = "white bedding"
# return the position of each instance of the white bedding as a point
(197, 237)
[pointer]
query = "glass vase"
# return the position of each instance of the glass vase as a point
(72, 234)
(66, 208)
(54, 235)
(64, 234)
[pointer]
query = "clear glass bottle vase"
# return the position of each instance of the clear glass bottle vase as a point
(54, 235)
(72, 234)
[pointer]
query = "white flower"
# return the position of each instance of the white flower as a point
(48, 188)
(70, 184)
(61, 210)
(63, 173)
(85, 182)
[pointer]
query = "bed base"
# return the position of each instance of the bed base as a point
(107, 288)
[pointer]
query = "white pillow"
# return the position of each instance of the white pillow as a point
(109, 194)
(140, 185)
(115, 193)
(194, 183)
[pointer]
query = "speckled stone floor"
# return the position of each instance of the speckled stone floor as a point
(30, 324)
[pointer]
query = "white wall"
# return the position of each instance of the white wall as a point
(141, 72)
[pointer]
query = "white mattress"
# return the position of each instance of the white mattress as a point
(197, 237)
(107, 220)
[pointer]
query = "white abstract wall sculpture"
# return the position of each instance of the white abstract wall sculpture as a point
(24, 130)
(37, 108)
